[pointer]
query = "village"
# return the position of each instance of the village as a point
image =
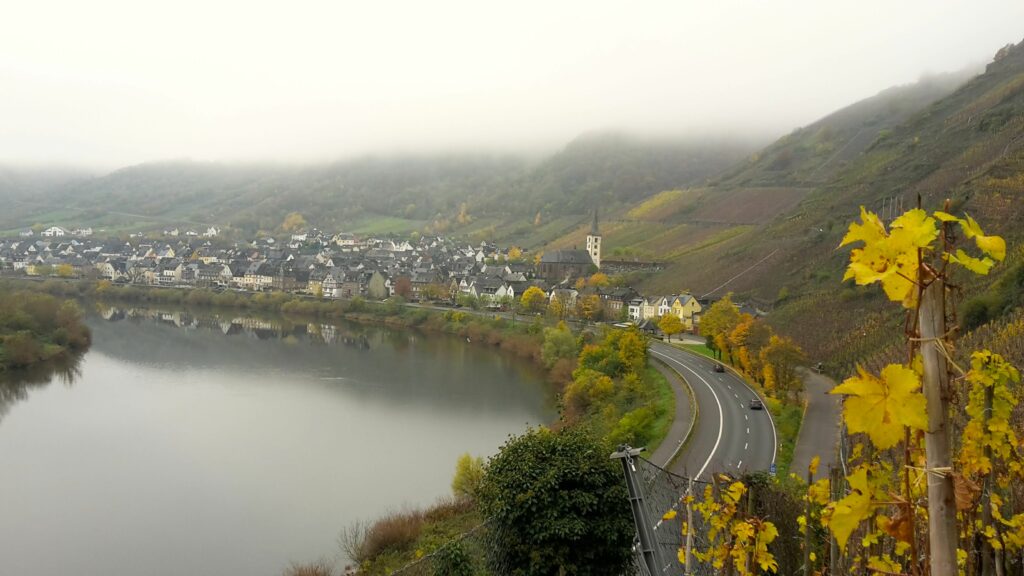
(567, 283)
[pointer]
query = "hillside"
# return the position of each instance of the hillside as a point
(770, 183)
(967, 146)
(490, 196)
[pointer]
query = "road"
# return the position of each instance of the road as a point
(819, 433)
(729, 436)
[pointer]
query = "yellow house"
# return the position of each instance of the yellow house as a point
(686, 307)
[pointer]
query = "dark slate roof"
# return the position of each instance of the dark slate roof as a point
(566, 257)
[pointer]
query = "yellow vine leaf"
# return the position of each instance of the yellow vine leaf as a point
(813, 467)
(994, 246)
(669, 515)
(819, 492)
(881, 407)
(846, 514)
(977, 265)
(890, 258)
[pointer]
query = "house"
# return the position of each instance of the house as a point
(687, 309)
(615, 299)
(53, 231)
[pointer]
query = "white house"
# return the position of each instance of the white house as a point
(53, 231)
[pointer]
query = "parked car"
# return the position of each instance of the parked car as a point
(756, 404)
(719, 367)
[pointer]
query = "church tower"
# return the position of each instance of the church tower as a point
(594, 242)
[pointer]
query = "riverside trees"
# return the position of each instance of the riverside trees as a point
(34, 327)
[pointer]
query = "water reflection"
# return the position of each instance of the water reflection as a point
(228, 443)
(15, 384)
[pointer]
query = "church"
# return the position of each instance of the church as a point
(557, 265)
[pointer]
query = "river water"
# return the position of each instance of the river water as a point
(220, 445)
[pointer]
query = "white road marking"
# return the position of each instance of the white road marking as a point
(740, 464)
(748, 430)
(721, 416)
(745, 444)
(735, 394)
(747, 416)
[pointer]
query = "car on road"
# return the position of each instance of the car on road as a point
(719, 367)
(756, 404)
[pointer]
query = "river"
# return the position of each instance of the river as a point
(222, 445)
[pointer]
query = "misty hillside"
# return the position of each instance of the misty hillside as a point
(967, 146)
(379, 194)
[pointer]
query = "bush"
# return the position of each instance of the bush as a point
(558, 505)
(469, 472)
(453, 560)
(395, 531)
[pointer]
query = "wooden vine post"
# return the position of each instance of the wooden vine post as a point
(942, 532)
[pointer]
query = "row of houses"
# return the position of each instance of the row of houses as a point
(335, 266)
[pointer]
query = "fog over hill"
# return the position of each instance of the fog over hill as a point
(105, 85)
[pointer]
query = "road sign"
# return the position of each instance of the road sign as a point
(771, 469)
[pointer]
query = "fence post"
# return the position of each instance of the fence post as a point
(648, 549)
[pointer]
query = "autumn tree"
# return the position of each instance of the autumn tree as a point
(403, 287)
(779, 360)
(515, 254)
(670, 324)
(720, 319)
(533, 300)
(588, 307)
(597, 280)
(293, 222)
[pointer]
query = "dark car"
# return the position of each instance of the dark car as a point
(719, 368)
(756, 404)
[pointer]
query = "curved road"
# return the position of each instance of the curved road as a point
(729, 436)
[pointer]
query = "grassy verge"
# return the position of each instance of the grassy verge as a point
(665, 403)
(787, 425)
(701, 349)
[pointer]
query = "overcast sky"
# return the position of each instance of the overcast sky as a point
(104, 83)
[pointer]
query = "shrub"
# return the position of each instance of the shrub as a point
(469, 472)
(395, 531)
(452, 560)
(318, 568)
(559, 505)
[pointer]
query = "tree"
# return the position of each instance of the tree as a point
(598, 279)
(559, 505)
(670, 324)
(779, 360)
(557, 308)
(720, 319)
(469, 473)
(403, 287)
(65, 271)
(559, 343)
(293, 221)
(588, 307)
(533, 300)
(515, 254)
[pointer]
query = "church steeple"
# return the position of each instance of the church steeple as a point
(594, 241)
